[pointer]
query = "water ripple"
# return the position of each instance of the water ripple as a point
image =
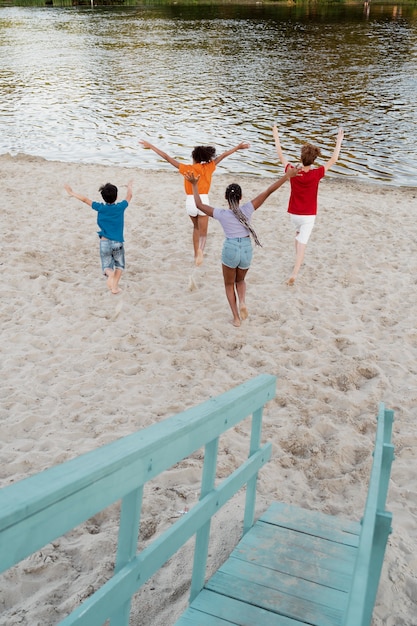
(84, 85)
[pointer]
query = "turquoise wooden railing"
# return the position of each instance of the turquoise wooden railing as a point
(37, 510)
(376, 526)
(301, 566)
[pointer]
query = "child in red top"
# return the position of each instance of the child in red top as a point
(302, 205)
(203, 166)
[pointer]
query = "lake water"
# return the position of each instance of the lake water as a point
(83, 84)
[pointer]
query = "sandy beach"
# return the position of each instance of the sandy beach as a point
(82, 367)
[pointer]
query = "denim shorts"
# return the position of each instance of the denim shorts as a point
(237, 252)
(112, 254)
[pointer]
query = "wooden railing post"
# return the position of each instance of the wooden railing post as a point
(203, 535)
(376, 526)
(127, 545)
(388, 422)
(255, 443)
(381, 533)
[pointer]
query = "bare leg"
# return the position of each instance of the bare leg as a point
(299, 258)
(202, 237)
(200, 224)
(241, 292)
(109, 273)
(229, 276)
(196, 234)
(202, 242)
(116, 277)
(113, 277)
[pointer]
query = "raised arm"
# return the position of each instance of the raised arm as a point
(336, 151)
(208, 210)
(77, 195)
(129, 192)
(241, 146)
(259, 200)
(280, 154)
(164, 155)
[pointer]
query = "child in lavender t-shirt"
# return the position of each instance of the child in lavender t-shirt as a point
(237, 247)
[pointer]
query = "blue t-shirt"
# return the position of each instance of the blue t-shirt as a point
(110, 219)
(231, 225)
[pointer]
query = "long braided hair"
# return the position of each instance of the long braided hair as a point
(233, 196)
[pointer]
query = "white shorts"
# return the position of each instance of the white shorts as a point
(191, 207)
(303, 225)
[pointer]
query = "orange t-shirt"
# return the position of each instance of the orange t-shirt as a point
(204, 170)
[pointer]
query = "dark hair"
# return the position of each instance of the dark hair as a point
(309, 154)
(108, 193)
(233, 193)
(203, 154)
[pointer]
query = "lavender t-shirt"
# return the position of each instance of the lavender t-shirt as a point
(231, 225)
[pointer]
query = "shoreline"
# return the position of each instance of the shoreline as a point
(82, 367)
(166, 169)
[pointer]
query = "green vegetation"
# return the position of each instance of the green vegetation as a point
(64, 3)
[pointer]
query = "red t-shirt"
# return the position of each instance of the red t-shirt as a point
(304, 190)
(204, 170)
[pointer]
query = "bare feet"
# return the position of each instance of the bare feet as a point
(243, 312)
(113, 284)
(291, 281)
(199, 257)
(236, 322)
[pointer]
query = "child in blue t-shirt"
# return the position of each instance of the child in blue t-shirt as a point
(110, 220)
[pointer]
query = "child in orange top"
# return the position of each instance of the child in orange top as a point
(203, 166)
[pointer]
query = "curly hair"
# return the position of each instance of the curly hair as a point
(309, 154)
(203, 154)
